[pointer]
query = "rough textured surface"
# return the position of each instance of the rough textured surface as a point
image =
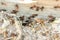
(37, 28)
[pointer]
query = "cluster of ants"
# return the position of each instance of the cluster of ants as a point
(37, 8)
(29, 21)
